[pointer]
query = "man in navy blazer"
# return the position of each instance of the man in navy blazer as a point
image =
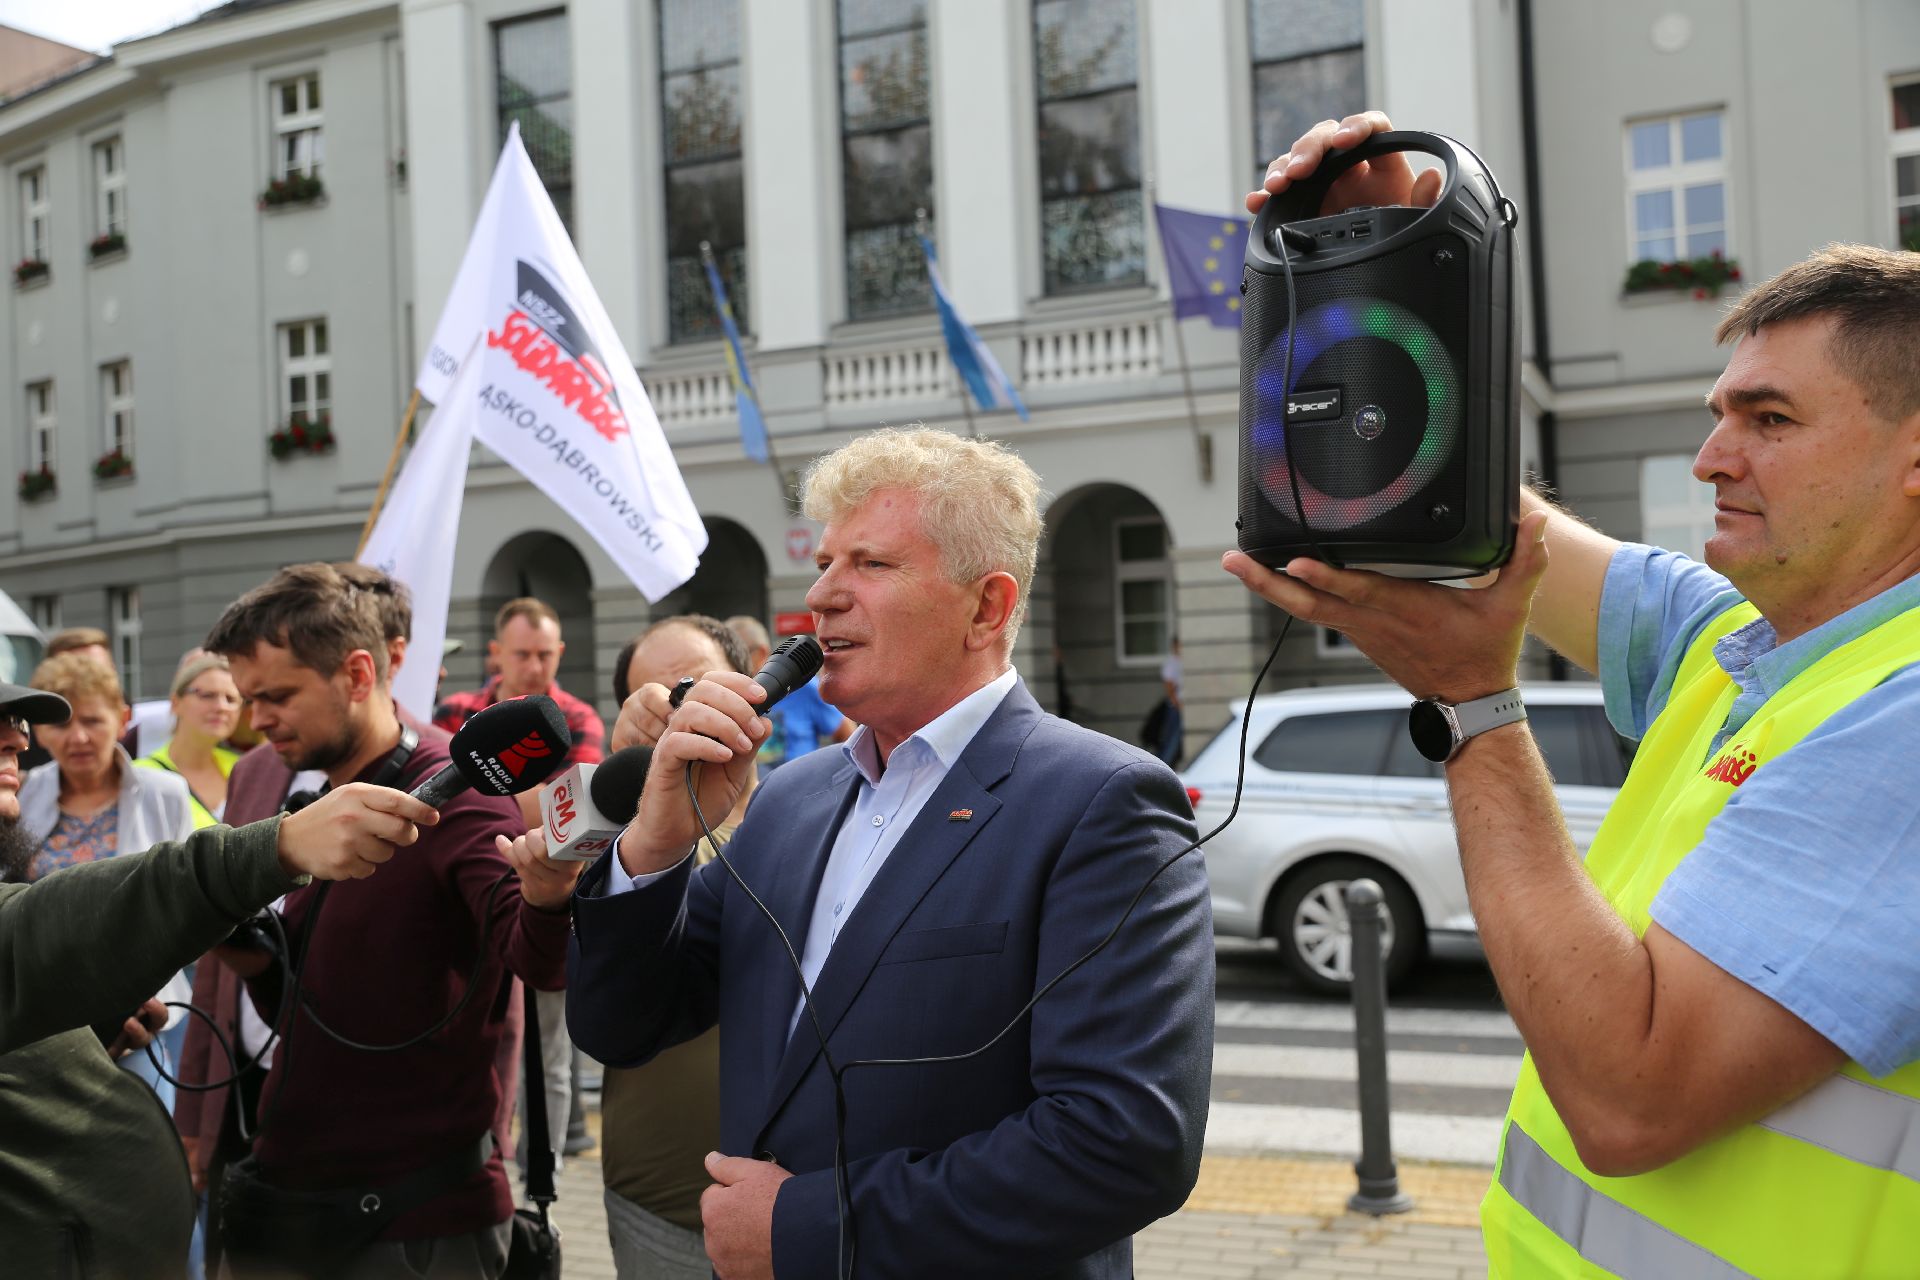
(964, 848)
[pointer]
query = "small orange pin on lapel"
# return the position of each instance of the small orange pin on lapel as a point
(960, 815)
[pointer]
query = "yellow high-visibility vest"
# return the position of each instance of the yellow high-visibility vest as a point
(1826, 1186)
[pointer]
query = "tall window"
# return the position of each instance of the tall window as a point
(886, 152)
(116, 404)
(109, 189)
(123, 620)
(533, 83)
(1906, 164)
(1677, 187)
(40, 426)
(700, 117)
(306, 371)
(1143, 589)
(46, 613)
(36, 213)
(1307, 67)
(298, 144)
(1092, 227)
(1676, 511)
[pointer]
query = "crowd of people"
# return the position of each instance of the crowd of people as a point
(941, 1001)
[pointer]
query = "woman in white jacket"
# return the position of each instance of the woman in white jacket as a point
(89, 802)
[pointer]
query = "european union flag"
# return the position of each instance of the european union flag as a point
(1205, 252)
(971, 360)
(753, 428)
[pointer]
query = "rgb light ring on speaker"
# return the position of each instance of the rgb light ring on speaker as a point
(1319, 330)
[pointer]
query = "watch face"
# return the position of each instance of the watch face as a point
(1432, 735)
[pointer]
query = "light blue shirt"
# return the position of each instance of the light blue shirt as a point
(891, 797)
(1807, 885)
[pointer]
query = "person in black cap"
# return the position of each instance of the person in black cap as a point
(92, 1180)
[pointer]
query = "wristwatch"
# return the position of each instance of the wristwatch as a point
(1439, 729)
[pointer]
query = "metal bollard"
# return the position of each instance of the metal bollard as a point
(1379, 1179)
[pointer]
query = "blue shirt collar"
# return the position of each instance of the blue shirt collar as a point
(944, 737)
(1759, 663)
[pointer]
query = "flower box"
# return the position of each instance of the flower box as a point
(28, 270)
(298, 188)
(113, 465)
(35, 485)
(101, 246)
(302, 434)
(1705, 277)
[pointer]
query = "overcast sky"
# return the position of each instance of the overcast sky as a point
(98, 24)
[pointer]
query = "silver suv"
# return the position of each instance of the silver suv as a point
(1335, 791)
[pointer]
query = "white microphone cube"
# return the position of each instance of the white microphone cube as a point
(575, 830)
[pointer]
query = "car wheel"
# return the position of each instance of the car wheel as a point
(1309, 919)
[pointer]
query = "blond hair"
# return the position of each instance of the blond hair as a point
(979, 501)
(1873, 295)
(75, 676)
(195, 664)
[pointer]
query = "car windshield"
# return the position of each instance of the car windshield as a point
(18, 657)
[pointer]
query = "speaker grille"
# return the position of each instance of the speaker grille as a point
(1388, 335)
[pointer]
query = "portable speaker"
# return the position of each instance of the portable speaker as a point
(1399, 429)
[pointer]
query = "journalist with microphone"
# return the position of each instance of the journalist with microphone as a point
(383, 1088)
(961, 850)
(92, 1181)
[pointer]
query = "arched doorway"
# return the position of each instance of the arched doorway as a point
(1107, 566)
(731, 579)
(548, 567)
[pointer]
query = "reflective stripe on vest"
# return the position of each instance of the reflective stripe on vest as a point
(1828, 1185)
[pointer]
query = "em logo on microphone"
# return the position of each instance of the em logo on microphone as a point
(561, 820)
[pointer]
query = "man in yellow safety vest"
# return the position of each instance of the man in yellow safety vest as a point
(1721, 1005)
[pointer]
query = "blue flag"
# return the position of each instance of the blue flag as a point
(1205, 252)
(971, 359)
(753, 428)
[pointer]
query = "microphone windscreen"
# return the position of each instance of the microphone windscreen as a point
(616, 783)
(512, 746)
(796, 661)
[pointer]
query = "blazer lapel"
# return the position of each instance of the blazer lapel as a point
(929, 847)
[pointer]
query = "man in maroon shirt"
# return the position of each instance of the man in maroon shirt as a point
(380, 967)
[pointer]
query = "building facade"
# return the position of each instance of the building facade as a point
(244, 229)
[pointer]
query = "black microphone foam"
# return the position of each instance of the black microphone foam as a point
(615, 785)
(796, 661)
(509, 747)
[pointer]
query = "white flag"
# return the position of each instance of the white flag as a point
(414, 538)
(556, 394)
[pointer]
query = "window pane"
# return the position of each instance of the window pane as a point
(1090, 144)
(319, 337)
(703, 114)
(1910, 228)
(1094, 240)
(1704, 244)
(1289, 28)
(888, 176)
(1667, 481)
(1652, 148)
(1351, 742)
(704, 203)
(1405, 761)
(321, 388)
(1144, 639)
(690, 312)
(1653, 211)
(1143, 541)
(1143, 598)
(297, 390)
(534, 58)
(859, 17)
(1084, 45)
(547, 131)
(1906, 106)
(290, 98)
(1700, 137)
(1290, 97)
(313, 93)
(886, 272)
(297, 341)
(1706, 204)
(696, 33)
(1906, 176)
(884, 80)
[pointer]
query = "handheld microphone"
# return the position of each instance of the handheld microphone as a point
(510, 747)
(588, 807)
(796, 661)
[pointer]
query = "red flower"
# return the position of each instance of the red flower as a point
(1734, 274)
(1699, 293)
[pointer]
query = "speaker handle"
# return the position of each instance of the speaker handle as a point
(1303, 199)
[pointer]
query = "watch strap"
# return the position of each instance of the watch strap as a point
(1481, 714)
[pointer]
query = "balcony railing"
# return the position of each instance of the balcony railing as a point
(691, 399)
(1109, 351)
(858, 378)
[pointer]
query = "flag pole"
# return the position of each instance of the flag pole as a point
(386, 481)
(773, 457)
(966, 400)
(1202, 443)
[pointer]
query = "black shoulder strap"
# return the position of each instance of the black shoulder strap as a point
(533, 1116)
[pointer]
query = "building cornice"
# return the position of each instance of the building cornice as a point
(37, 112)
(234, 34)
(161, 539)
(1611, 401)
